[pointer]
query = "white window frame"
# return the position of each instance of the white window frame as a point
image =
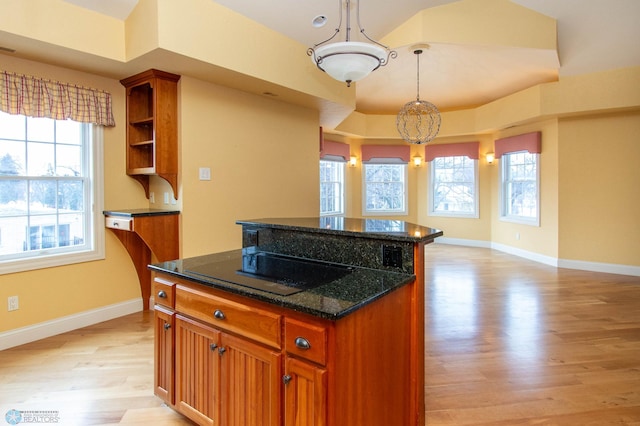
(385, 162)
(94, 229)
(341, 185)
(505, 214)
(432, 188)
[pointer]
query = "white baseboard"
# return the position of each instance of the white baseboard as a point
(536, 257)
(609, 268)
(463, 242)
(31, 333)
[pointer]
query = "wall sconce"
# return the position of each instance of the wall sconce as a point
(353, 161)
(417, 161)
(490, 157)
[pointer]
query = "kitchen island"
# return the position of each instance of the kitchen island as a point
(315, 321)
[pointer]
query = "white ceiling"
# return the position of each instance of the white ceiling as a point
(593, 35)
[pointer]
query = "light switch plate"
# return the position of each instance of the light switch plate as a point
(205, 173)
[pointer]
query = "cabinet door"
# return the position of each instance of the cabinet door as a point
(250, 386)
(163, 348)
(305, 394)
(197, 371)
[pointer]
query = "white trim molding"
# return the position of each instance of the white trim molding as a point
(609, 268)
(31, 333)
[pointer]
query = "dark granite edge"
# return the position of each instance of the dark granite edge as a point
(392, 236)
(287, 302)
(139, 212)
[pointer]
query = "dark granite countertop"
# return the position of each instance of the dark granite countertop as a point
(393, 230)
(139, 212)
(332, 300)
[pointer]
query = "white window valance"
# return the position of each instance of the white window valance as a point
(37, 97)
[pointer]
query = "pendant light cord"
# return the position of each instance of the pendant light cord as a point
(418, 52)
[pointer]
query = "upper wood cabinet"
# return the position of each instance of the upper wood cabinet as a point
(152, 127)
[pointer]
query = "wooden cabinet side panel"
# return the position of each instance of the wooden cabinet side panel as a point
(417, 407)
(166, 128)
(305, 394)
(370, 383)
(250, 383)
(197, 371)
(161, 233)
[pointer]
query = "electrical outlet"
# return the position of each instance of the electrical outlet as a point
(12, 303)
(392, 256)
(152, 198)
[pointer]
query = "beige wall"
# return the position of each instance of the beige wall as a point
(52, 293)
(599, 188)
(263, 156)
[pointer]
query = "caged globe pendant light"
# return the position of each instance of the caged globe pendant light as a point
(350, 61)
(418, 121)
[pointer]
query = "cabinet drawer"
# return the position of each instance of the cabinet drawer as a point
(248, 321)
(164, 292)
(119, 223)
(305, 340)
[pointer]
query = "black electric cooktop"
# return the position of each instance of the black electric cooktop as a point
(277, 274)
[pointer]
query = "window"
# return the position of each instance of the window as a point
(331, 187)
(384, 191)
(520, 187)
(454, 187)
(50, 185)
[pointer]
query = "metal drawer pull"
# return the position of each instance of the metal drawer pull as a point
(167, 326)
(213, 346)
(219, 314)
(162, 294)
(286, 379)
(302, 343)
(221, 350)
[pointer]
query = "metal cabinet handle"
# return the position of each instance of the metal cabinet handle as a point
(302, 343)
(286, 379)
(219, 314)
(213, 346)
(162, 294)
(222, 350)
(167, 326)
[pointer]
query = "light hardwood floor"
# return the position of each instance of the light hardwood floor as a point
(509, 342)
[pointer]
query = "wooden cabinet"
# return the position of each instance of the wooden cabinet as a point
(197, 371)
(164, 342)
(305, 379)
(144, 232)
(164, 348)
(239, 361)
(225, 379)
(250, 383)
(305, 394)
(152, 127)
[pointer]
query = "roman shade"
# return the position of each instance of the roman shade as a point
(385, 153)
(37, 97)
(334, 151)
(530, 142)
(464, 149)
